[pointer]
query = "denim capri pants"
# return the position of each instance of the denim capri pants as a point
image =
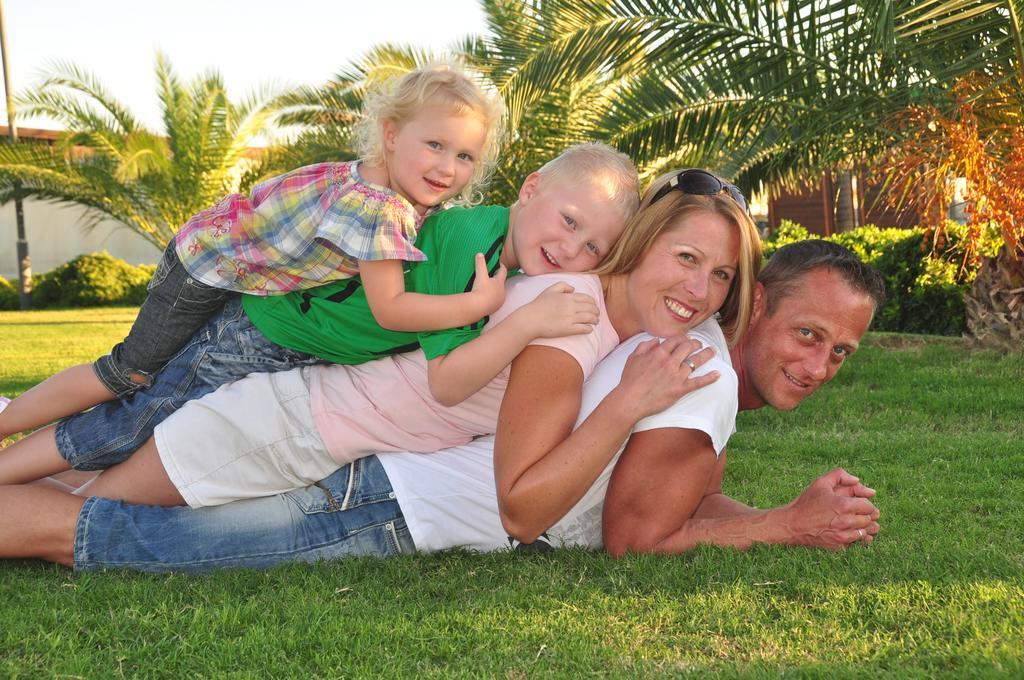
(175, 308)
(228, 348)
(352, 512)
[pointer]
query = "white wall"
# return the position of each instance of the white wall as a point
(55, 235)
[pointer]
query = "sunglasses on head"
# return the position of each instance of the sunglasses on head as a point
(701, 183)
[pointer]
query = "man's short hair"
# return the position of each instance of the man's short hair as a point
(790, 262)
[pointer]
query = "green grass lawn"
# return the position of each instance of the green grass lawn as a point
(936, 429)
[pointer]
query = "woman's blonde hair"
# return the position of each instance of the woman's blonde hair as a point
(657, 216)
(438, 83)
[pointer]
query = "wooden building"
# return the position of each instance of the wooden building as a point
(839, 202)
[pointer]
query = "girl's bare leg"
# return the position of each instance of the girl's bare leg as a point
(140, 479)
(70, 391)
(34, 457)
(39, 522)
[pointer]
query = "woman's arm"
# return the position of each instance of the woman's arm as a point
(542, 467)
(396, 309)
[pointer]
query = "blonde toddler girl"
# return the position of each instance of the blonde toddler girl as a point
(428, 139)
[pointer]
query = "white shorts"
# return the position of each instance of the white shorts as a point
(255, 437)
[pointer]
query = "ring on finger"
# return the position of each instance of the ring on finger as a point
(860, 534)
(689, 362)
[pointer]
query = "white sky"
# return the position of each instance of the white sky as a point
(251, 42)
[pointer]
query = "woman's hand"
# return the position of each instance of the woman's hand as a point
(659, 373)
(559, 311)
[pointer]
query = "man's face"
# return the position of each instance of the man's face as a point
(793, 351)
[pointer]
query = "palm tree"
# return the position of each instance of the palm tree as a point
(766, 92)
(731, 85)
(110, 163)
(769, 94)
(774, 93)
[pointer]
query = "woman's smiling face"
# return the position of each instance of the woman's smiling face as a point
(685, 275)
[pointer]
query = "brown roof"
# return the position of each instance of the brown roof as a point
(32, 133)
(41, 135)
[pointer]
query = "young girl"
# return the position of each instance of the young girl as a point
(430, 138)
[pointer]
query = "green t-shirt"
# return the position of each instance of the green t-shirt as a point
(334, 321)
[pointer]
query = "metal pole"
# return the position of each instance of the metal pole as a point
(24, 263)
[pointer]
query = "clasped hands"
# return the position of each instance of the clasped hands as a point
(833, 512)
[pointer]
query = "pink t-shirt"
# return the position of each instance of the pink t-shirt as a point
(386, 405)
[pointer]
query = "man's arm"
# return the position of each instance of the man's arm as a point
(666, 496)
(832, 512)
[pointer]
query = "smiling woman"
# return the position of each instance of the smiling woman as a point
(691, 267)
(697, 236)
(683, 258)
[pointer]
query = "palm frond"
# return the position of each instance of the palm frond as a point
(75, 82)
(117, 170)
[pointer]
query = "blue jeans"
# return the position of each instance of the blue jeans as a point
(352, 512)
(227, 348)
(175, 308)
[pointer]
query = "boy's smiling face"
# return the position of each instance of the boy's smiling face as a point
(561, 225)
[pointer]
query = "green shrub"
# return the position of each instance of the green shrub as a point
(8, 295)
(925, 291)
(92, 280)
(788, 232)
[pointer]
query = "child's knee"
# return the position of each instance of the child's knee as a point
(121, 380)
(139, 378)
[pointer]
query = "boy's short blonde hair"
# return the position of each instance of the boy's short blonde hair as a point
(440, 83)
(658, 216)
(601, 164)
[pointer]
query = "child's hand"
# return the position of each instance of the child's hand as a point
(558, 311)
(488, 291)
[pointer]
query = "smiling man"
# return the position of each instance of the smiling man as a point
(814, 301)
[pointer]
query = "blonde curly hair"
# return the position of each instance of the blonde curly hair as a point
(443, 83)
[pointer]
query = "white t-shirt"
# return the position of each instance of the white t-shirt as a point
(386, 405)
(449, 498)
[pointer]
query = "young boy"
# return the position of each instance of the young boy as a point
(567, 216)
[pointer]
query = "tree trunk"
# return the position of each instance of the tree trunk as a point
(995, 304)
(845, 217)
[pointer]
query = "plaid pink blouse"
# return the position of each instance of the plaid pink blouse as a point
(302, 229)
